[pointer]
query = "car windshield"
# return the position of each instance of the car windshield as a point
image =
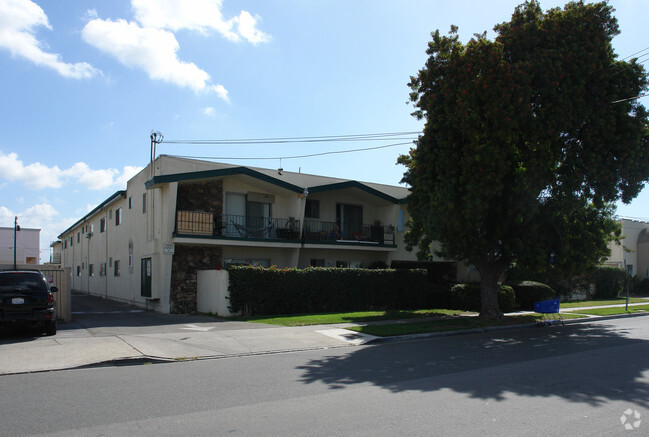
(22, 281)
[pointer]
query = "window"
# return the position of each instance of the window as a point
(317, 263)
(130, 202)
(144, 203)
(312, 209)
(102, 269)
(130, 260)
(102, 225)
(78, 270)
(65, 245)
(91, 270)
(116, 268)
(71, 241)
(118, 216)
(78, 237)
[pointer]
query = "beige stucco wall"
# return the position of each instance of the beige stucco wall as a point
(634, 250)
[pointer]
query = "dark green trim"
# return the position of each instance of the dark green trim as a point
(354, 184)
(233, 171)
(101, 206)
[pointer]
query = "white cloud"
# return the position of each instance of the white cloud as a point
(127, 173)
(38, 176)
(197, 15)
(18, 21)
(91, 179)
(247, 27)
(35, 176)
(149, 49)
(209, 111)
(36, 215)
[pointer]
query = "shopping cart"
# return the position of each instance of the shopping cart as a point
(549, 309)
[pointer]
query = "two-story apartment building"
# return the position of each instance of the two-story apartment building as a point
(177, 216)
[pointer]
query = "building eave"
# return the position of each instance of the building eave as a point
(157, 181)
(115, 197)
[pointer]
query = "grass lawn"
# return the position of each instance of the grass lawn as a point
(438, 319)
(448, 324)
(613, 311)
(355, 317)
(593, 303)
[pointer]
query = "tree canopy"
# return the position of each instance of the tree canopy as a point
(528, 141)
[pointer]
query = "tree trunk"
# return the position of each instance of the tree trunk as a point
(489, 275)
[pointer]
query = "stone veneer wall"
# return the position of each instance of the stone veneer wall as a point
(187, 260)
(204, 196)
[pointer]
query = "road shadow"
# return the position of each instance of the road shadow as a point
(9, 335)
(592, 363)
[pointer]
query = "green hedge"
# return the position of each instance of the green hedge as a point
(265, 291)
(467, 297)
(528, 292)
(609, 282)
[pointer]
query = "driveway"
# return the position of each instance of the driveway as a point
(104, 331)
(106, 317)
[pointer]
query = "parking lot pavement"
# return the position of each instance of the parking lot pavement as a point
(105, 331)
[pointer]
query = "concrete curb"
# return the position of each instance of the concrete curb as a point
(409, 337)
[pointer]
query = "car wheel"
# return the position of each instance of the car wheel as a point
(50, 327)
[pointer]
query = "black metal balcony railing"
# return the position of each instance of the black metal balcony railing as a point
(316, 230)
(272, 228)
(236, 226)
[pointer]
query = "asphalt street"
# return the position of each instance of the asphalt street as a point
(589, 379)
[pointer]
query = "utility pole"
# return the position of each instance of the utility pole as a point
(156, 138)
(16, 229)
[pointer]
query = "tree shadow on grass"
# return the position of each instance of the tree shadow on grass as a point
(590, 363)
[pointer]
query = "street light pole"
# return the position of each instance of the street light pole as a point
(16, 229)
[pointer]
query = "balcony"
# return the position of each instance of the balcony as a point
(210, 225)
(207, 224)
(316, 231)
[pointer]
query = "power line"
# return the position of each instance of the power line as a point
(315, 139)
(636, 53)
(311, 155)
(630, 98)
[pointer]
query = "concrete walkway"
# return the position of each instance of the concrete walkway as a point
(109, 332)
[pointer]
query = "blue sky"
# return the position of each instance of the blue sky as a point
(84, 82)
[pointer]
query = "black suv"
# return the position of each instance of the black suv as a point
(26, 299)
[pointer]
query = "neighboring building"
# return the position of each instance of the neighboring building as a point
(146, 244)
(634, 250)
(27, 249)
(56, 247)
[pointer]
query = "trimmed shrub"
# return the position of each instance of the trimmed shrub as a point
(609, 282)
(467, 297)
(640, 287)
(257, 290)
(528, 292)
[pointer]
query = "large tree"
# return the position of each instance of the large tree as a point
(528, 141)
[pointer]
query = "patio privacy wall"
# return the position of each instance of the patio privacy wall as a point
(212, 292)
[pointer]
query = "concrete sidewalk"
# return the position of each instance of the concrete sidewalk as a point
(74, 346)
(110, 332)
